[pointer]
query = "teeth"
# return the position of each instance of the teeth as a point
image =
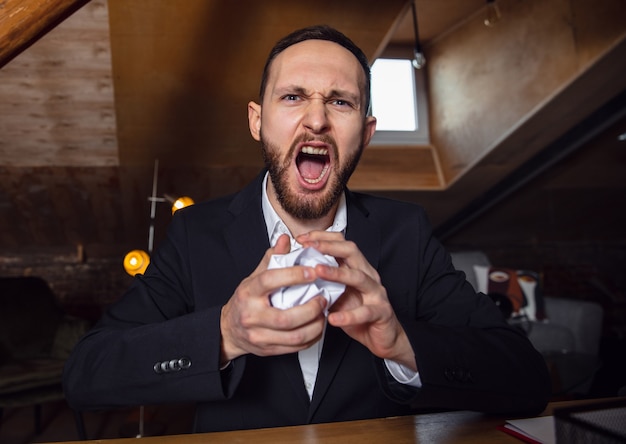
(315, 151)
(314, 181)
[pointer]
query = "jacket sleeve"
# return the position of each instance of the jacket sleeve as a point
(467, 355)
(153, 345)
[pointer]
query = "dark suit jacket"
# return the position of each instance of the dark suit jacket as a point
(161, 342)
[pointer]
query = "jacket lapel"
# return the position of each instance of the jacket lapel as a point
(362, 230)
(245, 234)
(366, 235)
(293, 373)
(336, 343)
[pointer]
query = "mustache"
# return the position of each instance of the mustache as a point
(307, 137)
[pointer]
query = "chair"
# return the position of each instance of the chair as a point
(36, 337)
(569, 337)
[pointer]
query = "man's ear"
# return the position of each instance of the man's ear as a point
(254, 120)
(368, 129)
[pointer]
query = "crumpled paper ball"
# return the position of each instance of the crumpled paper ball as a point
(295, 295)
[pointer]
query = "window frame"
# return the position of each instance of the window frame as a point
(420, 136)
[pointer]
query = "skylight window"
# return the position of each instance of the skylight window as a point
(398, 103)
(393, 95)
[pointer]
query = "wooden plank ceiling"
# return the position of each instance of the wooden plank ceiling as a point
(87, 108)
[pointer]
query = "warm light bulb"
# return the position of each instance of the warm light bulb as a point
(181, 202)
(136, 262)
(493, 13)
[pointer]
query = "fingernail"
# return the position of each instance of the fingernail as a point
(326, 268)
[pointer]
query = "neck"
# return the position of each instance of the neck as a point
(299, 226)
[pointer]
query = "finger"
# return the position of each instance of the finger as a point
(361, 315)
(248, 327)
(292, 329)
(266, 281)
(269, 341)
(318, 235)
(295, 317)
(364, 281)
(282, 246)
(333, 244)
(273, 342)
(315, 238)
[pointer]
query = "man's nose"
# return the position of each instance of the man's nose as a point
(316, 117)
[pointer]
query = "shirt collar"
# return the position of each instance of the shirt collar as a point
(275, 226)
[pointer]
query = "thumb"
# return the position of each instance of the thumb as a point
(283, 245)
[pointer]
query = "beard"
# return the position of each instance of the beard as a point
(312, 205)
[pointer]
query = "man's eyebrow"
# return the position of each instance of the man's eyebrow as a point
(290, 89)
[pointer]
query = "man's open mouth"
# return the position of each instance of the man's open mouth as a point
(313, 163)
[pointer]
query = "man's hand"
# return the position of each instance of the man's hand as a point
(363, 311)
(249, 324)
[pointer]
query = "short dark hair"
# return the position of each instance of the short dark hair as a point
(318, 32)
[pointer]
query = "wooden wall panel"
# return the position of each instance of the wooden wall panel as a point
(397, 168)
(184, 75)
(56, 99)
(485, 82)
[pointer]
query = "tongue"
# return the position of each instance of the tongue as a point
(310, 168)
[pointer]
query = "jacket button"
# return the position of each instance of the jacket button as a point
(184, 363)
(157, 368)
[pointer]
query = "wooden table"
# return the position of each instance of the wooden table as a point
(448, 427)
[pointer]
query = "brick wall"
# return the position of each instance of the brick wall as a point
(84, 286)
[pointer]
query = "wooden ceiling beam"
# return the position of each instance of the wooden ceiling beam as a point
(23, 22)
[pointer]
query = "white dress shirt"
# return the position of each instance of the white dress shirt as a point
(309, 358)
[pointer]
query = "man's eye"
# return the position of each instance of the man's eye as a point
(290, 97)
(342, 103)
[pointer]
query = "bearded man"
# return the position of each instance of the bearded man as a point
(405, 334)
